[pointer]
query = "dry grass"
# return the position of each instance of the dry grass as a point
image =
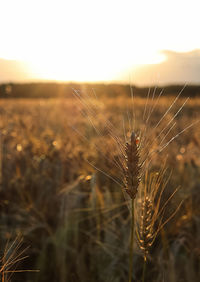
(13, 255)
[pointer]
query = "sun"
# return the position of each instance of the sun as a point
(76, 40)
(91, 40)
(88, 66)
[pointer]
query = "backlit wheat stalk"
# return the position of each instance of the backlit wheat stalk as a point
(151, 137)
(150, 210)
(131, 168)
(133, 160)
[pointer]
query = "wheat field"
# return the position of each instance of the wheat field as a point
(60, 187)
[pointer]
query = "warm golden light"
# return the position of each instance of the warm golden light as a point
(87, 68)
(94, 40)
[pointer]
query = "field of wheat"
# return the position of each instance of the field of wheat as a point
(62, 189)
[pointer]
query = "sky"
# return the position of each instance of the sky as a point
(140, 42)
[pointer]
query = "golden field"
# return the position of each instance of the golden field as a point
(58, 188)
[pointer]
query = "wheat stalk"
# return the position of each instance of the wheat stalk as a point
(162, 130)
(131, 169)
(150, 210)
(133, 161)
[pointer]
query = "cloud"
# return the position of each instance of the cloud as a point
(178, 68)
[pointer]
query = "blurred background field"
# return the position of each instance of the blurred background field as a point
(74, 218)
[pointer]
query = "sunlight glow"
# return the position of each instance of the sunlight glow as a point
(94, 40)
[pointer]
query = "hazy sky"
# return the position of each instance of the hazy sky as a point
(98, 40)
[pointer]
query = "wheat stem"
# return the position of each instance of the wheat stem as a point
(132, 241)
(144, 268)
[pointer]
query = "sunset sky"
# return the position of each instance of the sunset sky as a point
(87, 40)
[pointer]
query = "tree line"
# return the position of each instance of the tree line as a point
(65, 90)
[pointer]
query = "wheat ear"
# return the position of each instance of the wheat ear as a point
(146, 225)
(132, 167)
(131, 183)
(149, 211)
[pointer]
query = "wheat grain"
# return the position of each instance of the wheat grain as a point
(132, 167)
